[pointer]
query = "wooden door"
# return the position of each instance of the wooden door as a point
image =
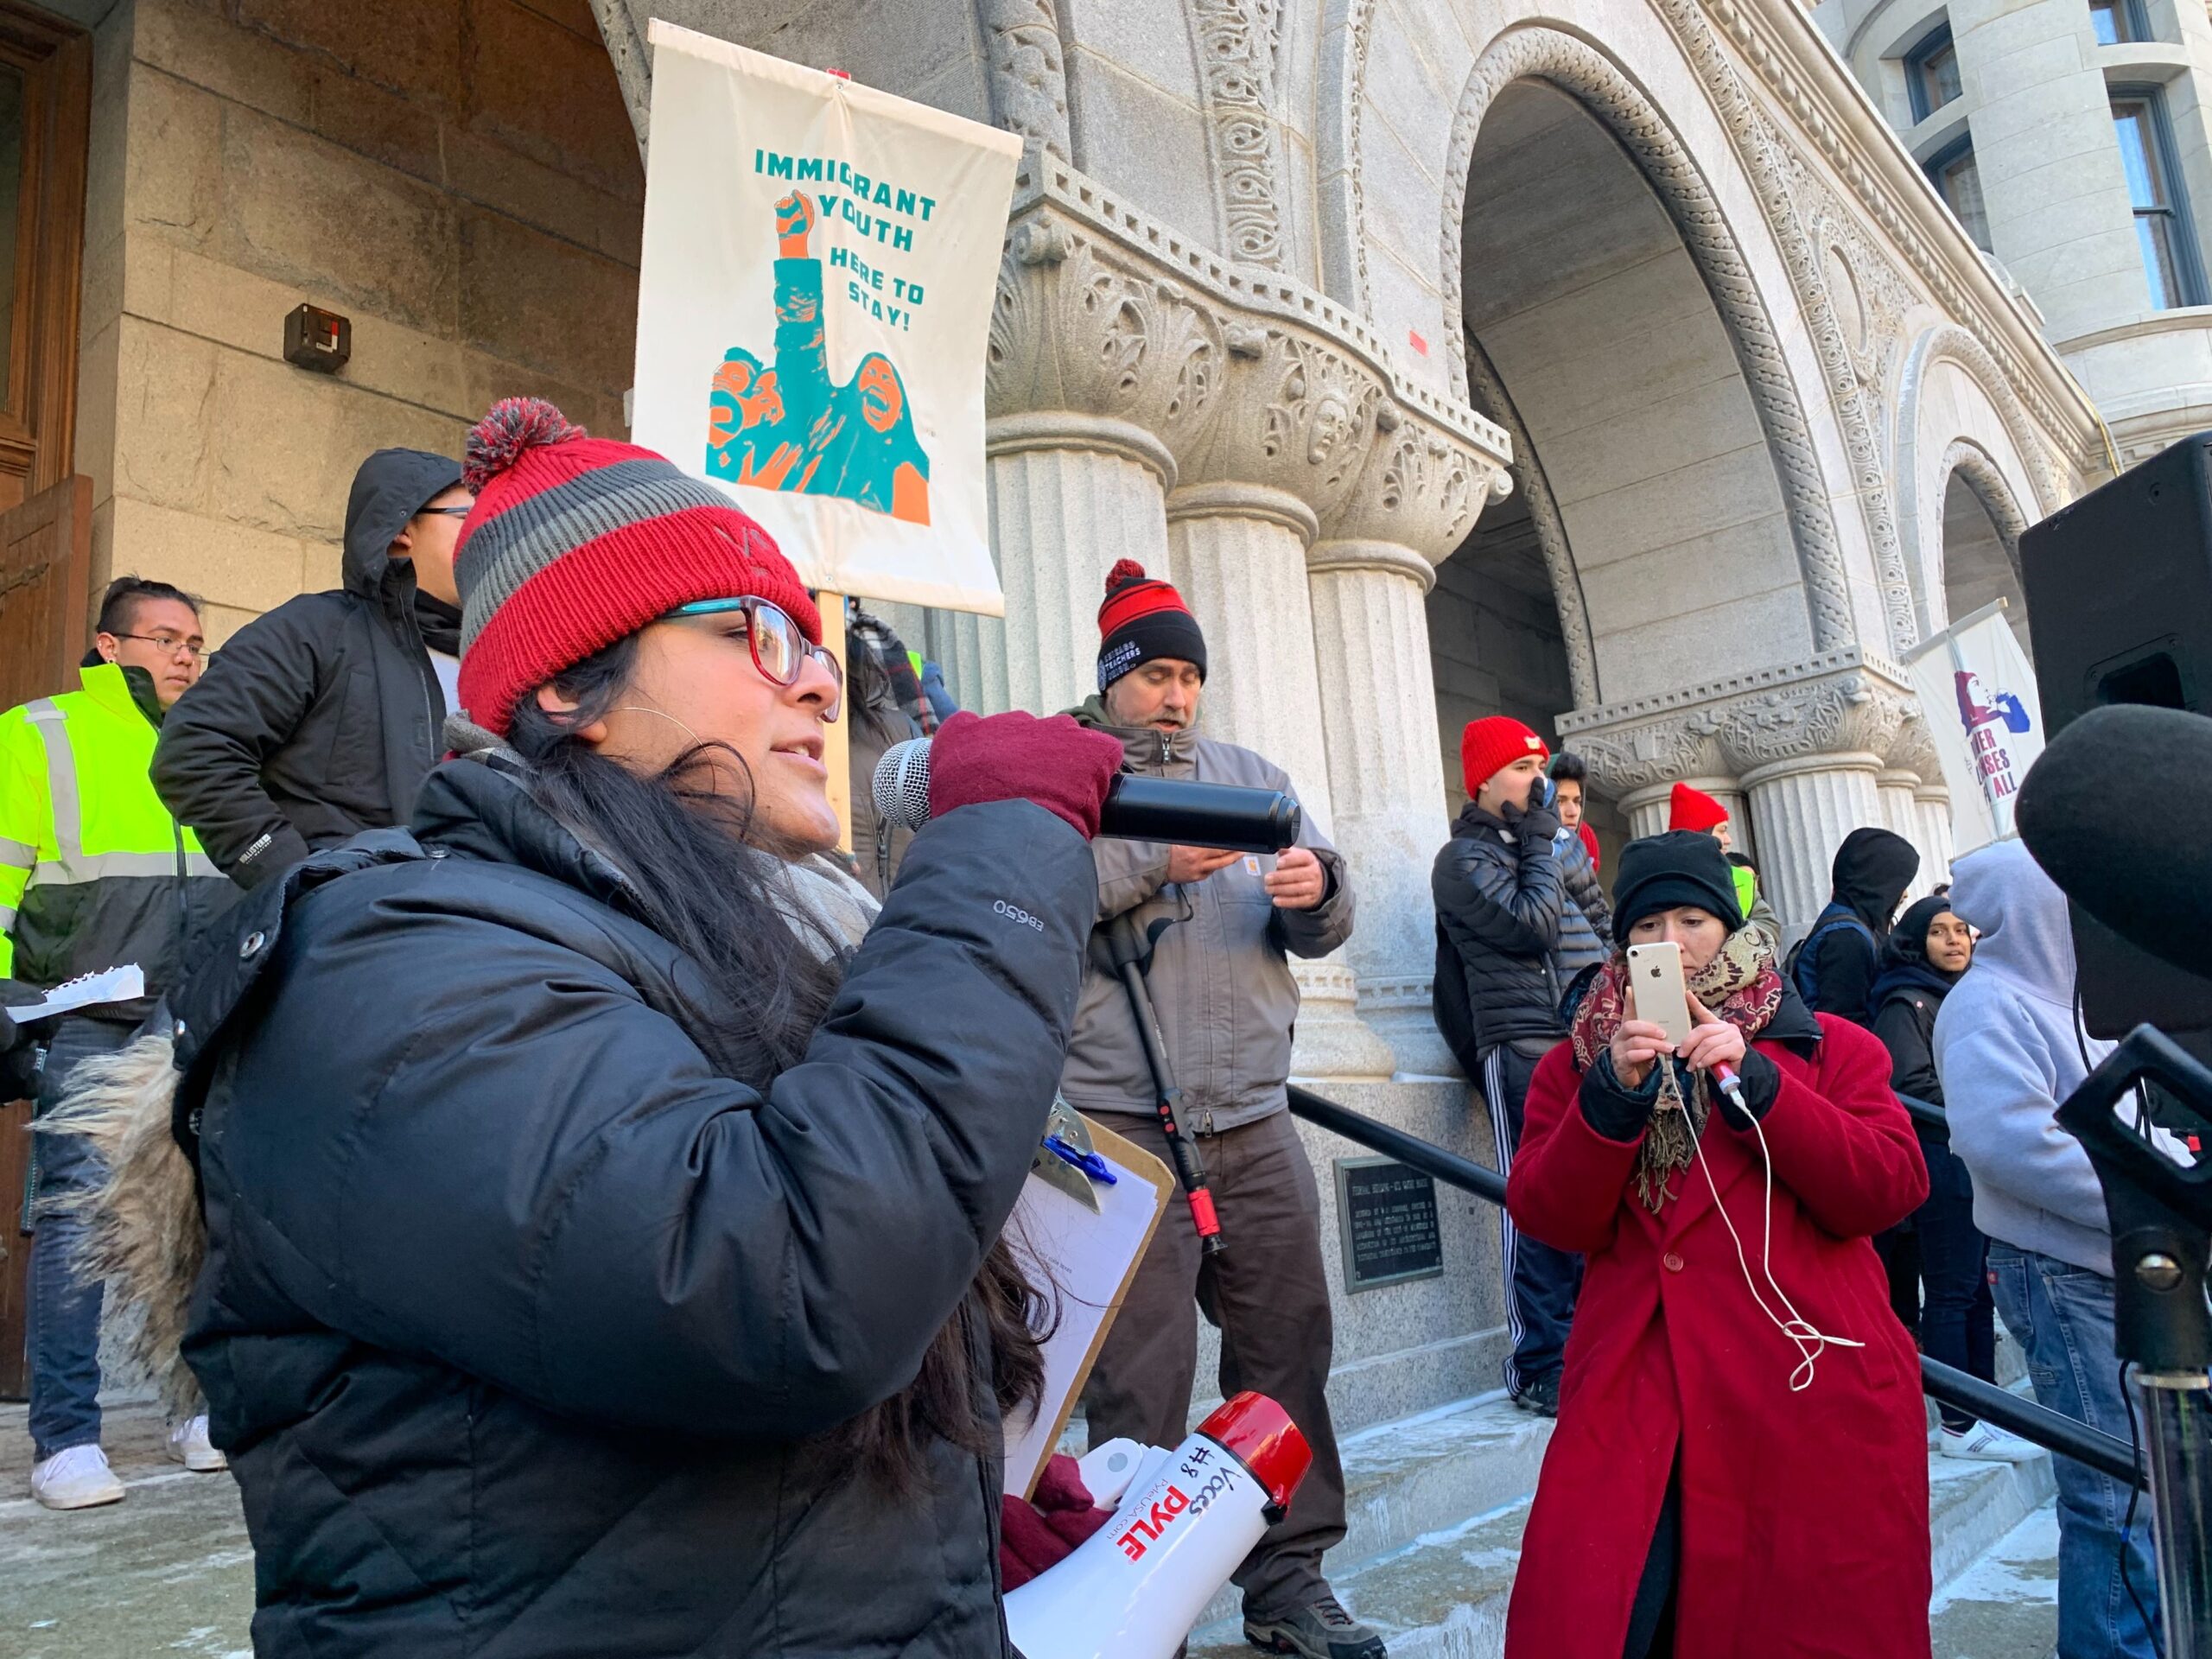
(46, 565)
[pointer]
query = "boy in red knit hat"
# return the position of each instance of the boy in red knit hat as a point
(1225, 926)
(1511, 938)
(1693, 809)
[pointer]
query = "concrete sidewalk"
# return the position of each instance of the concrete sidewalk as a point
(167, 1570)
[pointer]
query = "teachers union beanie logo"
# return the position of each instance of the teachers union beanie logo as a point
(576, 542)
(1144, 619)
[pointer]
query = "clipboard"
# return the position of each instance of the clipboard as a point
(1090, 1260)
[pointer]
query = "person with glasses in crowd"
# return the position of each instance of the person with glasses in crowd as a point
(602, 1195)
(321, 718)
(94, 874)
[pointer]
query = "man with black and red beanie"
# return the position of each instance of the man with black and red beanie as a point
(1225, 926)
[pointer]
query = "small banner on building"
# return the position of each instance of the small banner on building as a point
(820, 263)
(1978, 694)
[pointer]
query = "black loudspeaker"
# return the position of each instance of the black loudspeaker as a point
(2119, 606)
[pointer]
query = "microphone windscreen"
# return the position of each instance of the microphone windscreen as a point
(2115, 811)
(902, 784)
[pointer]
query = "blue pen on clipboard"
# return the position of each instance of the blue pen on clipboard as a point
(1088, 1162)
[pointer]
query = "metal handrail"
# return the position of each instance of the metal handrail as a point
(2053, 1430)
(1926, 1113)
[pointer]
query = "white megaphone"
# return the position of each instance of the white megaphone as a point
(1137, 1585)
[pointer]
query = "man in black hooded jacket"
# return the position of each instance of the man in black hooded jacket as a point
(321, 718)
(1834, 970)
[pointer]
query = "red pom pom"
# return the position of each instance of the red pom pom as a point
(1124, 572)
(513, 425)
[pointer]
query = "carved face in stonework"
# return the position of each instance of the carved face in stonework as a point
(1332, 426)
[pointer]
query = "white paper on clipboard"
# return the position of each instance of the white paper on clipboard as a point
(122, 984)
(1090, 1259)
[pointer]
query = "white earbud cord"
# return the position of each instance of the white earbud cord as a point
(1803, 1334)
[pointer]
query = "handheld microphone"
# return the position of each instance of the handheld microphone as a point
(1186, 814)
(2133, 868)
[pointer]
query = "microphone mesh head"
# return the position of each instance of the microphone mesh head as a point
(901, 786)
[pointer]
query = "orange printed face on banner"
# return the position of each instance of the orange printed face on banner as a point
(881, 396)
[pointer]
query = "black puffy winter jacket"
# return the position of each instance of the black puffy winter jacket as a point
(319, 719)
(520, 1317)
(1503, 910)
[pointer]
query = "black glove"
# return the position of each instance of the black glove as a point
(1762, 1082)
(18, 1060)
(1533, 825)
(1610, 1106)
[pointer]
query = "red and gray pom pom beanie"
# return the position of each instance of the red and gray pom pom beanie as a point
(576, 542)
(1144, 618)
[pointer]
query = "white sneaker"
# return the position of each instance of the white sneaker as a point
(76, 1479)
(188, 1445)
(1986, 1443)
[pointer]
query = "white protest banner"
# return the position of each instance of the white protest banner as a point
(1978, 694)
(820, 263)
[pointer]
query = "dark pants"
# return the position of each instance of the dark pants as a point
(1899, 1249)
(1267, 1294)
(1541, 1283)
(1958, 1325)
(65, 1311)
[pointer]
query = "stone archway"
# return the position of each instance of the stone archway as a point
(1982, 526)
(1571, 67)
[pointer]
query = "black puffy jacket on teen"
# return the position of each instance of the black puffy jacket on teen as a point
(1502, 911)
(319, 719)
(521, 1320)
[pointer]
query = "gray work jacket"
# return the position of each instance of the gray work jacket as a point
(1219, 976)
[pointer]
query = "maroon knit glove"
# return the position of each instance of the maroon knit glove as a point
(1056, 763)
(1036, 1536)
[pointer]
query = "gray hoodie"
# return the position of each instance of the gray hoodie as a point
(2009, 1050)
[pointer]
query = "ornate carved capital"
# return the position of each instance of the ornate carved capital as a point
(1914, 751)
(1841, 702)
(1249, 379)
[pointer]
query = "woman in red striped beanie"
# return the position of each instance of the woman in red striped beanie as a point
(603, 1200)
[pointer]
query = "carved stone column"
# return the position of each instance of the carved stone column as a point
(1806, 744)
(1647, 809)
(1912, 763)
(1098, 361)
(1239, 555)
(1933, 803)
(1426, 476)
(1900, 813)
(1071, 494)
(1803, 808)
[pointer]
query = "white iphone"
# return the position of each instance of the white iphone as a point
(1656, 970)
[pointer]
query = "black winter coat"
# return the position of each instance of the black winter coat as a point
(1502, 909)
(1583, 947)
(319, 719)
(1872, 868)
(519, 1316)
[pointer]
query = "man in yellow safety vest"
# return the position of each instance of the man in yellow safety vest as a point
(94, 874)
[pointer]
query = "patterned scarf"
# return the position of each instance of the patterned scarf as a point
(1740, 985)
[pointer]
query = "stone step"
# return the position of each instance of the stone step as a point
(1443, 1594)
(2005, 1605)
(1407, 1479)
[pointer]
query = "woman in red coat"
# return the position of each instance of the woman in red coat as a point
(1740, 1469)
